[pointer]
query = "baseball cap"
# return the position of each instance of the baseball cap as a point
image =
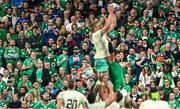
(50, 50)
(65, 49)
(76, 48)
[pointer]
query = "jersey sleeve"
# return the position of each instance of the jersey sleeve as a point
(60, 96)
(83, 99)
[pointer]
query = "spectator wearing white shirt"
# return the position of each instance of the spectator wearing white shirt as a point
(73, 21)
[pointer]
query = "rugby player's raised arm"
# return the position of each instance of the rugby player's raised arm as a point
(111, 21)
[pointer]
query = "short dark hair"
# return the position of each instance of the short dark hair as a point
(71, 84)
(119, 96)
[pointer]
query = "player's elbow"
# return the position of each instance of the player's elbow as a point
(106, 28)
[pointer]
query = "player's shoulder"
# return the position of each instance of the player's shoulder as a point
(97, 33)
(164, 103)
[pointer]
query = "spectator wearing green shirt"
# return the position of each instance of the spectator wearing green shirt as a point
(3, 31)
(45, 103)
(25, 52)
(41, 74)
(29, 65)
(145, 16)
(52, 58)
(25, 82)
(62, 60)
(173, 104)
(58, 83)
(12, 53)
(36, 87)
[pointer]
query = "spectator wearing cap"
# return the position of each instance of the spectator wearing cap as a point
(39, 54)
(5, 5)
(62, 60)
(169, 74)
(41, 75)
(58, 83)
(75, 60)
(45, 103)
(52, 59)
(146, 76)
(88, 41)
(12, 90)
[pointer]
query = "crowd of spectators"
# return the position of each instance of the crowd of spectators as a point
(46, 43)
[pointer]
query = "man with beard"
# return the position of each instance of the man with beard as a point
(22, 92)
(75, 60)
(11, 53)
(44, 103)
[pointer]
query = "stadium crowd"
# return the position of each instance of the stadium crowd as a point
(89, 54)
